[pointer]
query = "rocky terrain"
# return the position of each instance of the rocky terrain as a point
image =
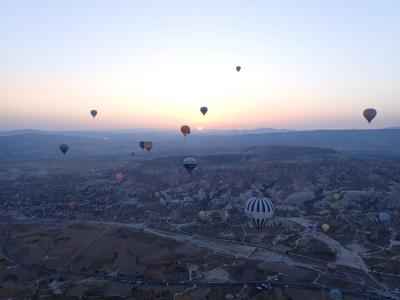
(160, 201)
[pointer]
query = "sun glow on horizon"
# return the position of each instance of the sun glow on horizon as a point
(154, 66)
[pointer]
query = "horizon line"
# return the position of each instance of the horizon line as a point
(276, 130)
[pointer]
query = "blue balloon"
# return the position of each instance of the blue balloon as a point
(335, 294)
(141, 144)
(384, 217)
(63, 148)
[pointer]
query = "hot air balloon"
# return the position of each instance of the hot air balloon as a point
(331, 267)
(335, 294)
(64, 148)
(384, 217)
(141, 144)
(185, 130)
(259, 210)
(337, 196)
(238, 68)
(203, 110)
(132, 153)
(203, 215)
(369, 114)
(148, 145)
(93, 112)
(119, 176)
(72, 204)
(190, 163)
(325, 227)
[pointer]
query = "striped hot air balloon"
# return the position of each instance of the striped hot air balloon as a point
(259, 210)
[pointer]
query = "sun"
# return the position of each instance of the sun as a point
(199, 128)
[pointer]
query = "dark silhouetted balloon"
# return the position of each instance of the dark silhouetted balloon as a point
(64, 148)
(190, 163)
(203, 110)
(238, 68)
(185, 130)
(369, 114)
(141, 144)
(93, 113)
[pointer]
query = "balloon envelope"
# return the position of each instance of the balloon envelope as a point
(93, 113)
(335, 294)
(331, 267)
(63, 148)
(238, 68)
(148, 145)
(119, 176)
(369, 114)
(190, 163)
(325, 227)
(185, 129)
(141, 144)
(384, 217)
(337, 196)
(259, 210)
(202, 215)
(203, 110)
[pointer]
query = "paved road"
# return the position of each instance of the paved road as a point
(155, 282)
(225, 246)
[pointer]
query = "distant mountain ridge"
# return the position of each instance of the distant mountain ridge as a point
(243, 131)
(141, 130)
(372, 140)
(379, 141)
(204, 132)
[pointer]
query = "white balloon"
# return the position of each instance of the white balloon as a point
(190, 163)
(259, 210)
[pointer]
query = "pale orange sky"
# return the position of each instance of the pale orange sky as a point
(154, 66)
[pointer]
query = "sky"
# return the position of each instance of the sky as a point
(153, 64)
